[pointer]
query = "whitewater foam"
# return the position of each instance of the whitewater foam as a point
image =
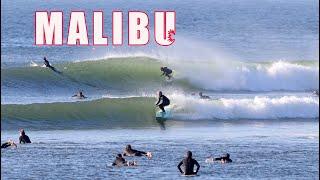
(189, 107)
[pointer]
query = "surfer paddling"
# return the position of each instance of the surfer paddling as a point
(188, 162)
(79, 95)
(128, 151)
(9, 143)
(120, 161)
(223, 159)
(162, 101)
(166, 72)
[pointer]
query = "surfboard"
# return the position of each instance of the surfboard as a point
(161, 115)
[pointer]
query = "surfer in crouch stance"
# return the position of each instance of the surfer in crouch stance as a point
(128, 151)
(203, 96)
(188, 164)
(166, 72)
(23, 137)
(8, 144)
(162, 101)
(79, 95)
(120, 161)
(47, 64)
(223, 159)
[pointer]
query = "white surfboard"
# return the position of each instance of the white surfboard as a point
(163, 115)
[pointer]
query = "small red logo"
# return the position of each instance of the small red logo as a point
(171, 33)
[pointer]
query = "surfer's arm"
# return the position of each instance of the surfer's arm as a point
(198, 166)
(158, 101)
(179, 167)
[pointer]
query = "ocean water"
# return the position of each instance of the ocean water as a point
(257, 60)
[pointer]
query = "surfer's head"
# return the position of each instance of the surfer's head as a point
(44, 58)
(119, 155)
(128, 147)
(200, 93)
(189, 154)
(160, 93)
(22, 133)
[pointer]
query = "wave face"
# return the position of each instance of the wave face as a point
(136, 74)
(140, 111)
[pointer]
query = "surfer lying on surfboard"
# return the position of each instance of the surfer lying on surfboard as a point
(188, 164)
(47, 64)
(162, 101)
(223, 159)
(120, 161)
(79, 95)
(128, 151)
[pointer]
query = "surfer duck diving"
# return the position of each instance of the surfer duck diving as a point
(162, 101)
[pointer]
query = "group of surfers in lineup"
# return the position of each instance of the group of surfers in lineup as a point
(188, 162)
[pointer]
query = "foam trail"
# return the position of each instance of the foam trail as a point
(246, 108)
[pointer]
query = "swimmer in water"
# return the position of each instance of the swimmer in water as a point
(162, 101)
(79, 95)
(23, 137)
(9, 143)
(120, 161)
(203, 96)
(223, 159)
(188, 164)
(128, 151)
(166, 72)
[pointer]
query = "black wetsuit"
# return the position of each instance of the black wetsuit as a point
(167, 72)
(164, 102)
(225, 159)
(188, 164)
(133, 152)
(5, 145)
(47, 64)
(24, 139)
(120, 161)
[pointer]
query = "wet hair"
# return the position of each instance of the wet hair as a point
(44, 58)
(119, 155)
(22, 132)
(189, 154)
(128, 146)
(228, 155)
(160, 92)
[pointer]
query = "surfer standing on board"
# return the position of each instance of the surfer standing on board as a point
(47, 64)
(166, 72)
(162, 101)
